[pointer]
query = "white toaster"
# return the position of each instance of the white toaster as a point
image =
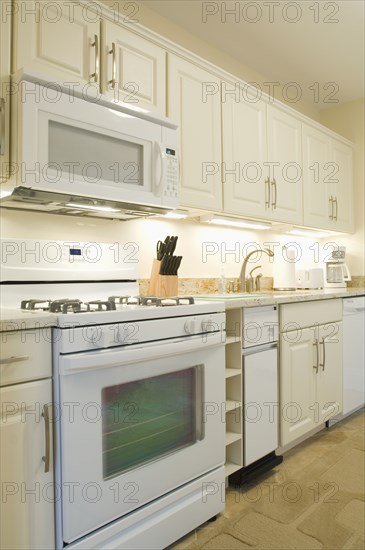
(310, 278)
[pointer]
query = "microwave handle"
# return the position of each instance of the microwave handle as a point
(160, 184)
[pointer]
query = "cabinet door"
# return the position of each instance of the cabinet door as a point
(5, 24)
(342, 187)
(316, 176)
(285, 150)
(199, 118)
(244, 155)
(57, 40)
(135, 71)
(298, 361)
(329, 379)
(27, 508)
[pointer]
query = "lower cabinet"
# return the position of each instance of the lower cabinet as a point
(310, 378)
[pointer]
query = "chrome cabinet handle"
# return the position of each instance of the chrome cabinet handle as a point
(324, 354)
(2, 137)
(331, 207)
(336, 203)
(47, 457)
(267, 192)
(95, 44)
(316, 345)
(14, 359)
(275, 194)
(114, 66)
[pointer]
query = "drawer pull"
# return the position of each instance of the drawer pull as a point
(47, 457)
(14, 359)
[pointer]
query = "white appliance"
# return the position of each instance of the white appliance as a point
(337, 273)
(284, 269)
(310, 278)
(72, 155)
(353, 353)
(260, 392)
(139, 455)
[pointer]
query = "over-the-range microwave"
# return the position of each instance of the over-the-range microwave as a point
(70, 153)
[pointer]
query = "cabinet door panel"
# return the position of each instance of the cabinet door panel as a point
(285, 149)
(140, 69)
(244, 155)
(5, 32)
(55, 39)
(27, 513)
(316, 171)
(199, 122)
(342, 188)
(297, 384)
(329, 381)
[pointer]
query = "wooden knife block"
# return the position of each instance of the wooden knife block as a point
(163, 286)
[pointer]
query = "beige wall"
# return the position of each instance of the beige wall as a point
(168, 29)
(348, 120)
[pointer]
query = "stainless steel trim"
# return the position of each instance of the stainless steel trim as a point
(95, 45)
(14, 359)
(47, 457)
(199, 399)
(2, 136)
(273, 204)
(114, 66)
(267, 192)
(324, 354)
(336, 203)
(316, 345)
(331, 207)
(259, 348)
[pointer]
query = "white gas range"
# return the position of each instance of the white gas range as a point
(138, 397)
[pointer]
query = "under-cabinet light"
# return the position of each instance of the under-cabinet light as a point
(232, 222)
(92, 207)
(309, 232)
(176, 215)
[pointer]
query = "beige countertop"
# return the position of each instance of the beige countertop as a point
(266, 298)
(17, 319)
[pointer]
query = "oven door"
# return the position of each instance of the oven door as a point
(136, 423)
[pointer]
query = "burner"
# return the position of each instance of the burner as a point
(101, 305)
(32, 305)
(164, 302)
(65, 305)
(126, 300)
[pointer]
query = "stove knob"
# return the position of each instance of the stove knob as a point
(208, 325)
(190, 326)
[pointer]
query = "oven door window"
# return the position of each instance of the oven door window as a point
(146, 419)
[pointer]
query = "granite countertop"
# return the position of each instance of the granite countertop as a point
(270, 297)
(17, 319)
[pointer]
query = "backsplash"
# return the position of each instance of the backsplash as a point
(189, 286)
(357, 281)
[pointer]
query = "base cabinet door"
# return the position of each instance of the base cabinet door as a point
(27, 507)
(194, 104)
(298, 360)
(329, 379)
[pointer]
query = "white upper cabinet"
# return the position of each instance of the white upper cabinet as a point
(244, 170)
(327, 175)
(194, 103)
(285, 157)
(5, 26)
(341, 188)
(59, 40)
(135, 69)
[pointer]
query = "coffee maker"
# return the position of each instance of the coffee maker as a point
(336, 272)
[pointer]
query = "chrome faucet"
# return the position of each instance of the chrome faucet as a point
(243, 269)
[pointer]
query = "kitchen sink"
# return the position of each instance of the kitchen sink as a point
(234, 296)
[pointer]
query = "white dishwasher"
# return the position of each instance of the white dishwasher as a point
(260, 392)
(353, 312)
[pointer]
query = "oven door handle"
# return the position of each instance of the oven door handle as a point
(117, 357)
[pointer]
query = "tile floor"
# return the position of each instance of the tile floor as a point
(314, 499)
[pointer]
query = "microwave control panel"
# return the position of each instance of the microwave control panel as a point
(172, 173)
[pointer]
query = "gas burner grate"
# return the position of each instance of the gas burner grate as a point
(101, 305)
(66, 306)
(126, 300)
(166, 302)
(34, 305)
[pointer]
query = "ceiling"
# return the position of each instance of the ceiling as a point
(323, 44)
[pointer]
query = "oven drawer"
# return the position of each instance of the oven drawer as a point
(24, 355)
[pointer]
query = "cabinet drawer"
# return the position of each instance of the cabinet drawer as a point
(24, 355)
(308, 314)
